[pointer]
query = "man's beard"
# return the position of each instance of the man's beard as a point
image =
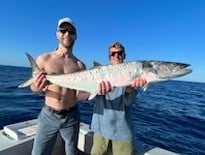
(70, 45)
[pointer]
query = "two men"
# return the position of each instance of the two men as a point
(60, 113)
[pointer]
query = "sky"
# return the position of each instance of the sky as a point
(168, 30)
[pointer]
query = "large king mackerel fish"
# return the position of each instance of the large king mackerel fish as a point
(119, 75)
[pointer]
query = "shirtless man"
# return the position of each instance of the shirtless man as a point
(60, 113)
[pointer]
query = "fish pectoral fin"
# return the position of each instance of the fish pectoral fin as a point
(144, 88)
(92, 95)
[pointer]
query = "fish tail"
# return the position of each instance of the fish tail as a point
(35, 69)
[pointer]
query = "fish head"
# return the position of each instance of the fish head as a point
(164, 70)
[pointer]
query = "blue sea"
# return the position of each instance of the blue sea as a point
(170, 114)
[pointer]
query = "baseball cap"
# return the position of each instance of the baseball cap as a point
(65, 20)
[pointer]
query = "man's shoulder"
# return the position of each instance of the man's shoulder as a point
(43, 58)
(45, 55)
(81, 65)
(79, 62)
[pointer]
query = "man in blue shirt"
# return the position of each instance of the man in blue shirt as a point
(111, 117)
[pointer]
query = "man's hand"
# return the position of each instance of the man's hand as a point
(138, 82)
(40, 82)
(104, 87)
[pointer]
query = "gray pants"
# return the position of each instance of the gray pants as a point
(50, 124)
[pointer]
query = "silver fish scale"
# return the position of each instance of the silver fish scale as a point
(118, 75)
(122, 74)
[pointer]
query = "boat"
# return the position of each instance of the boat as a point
(17, 139)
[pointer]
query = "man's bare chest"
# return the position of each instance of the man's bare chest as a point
(62, 67)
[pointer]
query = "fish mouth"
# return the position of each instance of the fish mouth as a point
(178, 73)
(183, 72)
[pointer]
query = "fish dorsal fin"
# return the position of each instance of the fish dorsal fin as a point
(96, 64)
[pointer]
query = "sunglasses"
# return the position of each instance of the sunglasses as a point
(119, 53)
(63, 31)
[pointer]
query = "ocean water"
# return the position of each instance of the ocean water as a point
(170, 115)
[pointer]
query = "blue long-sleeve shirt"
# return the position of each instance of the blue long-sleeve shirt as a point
(112, 115)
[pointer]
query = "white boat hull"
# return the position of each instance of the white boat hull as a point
(17, 139)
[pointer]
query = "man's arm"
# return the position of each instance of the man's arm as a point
(82, 95)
